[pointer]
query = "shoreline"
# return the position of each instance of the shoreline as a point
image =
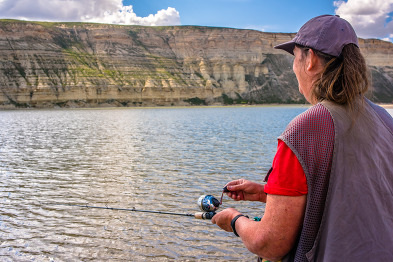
(385, 106)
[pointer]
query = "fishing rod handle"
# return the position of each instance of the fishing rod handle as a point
(210, 215)
(204, 215)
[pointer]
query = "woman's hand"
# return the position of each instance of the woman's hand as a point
(242, 189)
(223, 219)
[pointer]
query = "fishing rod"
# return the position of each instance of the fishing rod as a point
(199, 215)
(207, 203)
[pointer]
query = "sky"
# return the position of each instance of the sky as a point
(370, 18)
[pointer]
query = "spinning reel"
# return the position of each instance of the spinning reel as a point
(209, 204)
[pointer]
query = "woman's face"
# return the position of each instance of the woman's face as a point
(303, 76)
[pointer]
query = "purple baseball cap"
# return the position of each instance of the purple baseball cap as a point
(326, 33)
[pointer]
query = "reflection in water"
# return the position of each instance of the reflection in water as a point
(155, 159)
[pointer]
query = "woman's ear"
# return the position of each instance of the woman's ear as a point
(313, 60)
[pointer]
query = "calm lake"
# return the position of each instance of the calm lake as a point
(160, 159)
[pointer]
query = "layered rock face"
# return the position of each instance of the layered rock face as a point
(86, 65)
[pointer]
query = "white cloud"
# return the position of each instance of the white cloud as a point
(370, 18)
(127, 16)
(102, 11)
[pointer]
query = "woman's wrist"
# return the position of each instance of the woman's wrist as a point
(262, 194)
(233, 223)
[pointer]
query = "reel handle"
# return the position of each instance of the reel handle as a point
(204, 215)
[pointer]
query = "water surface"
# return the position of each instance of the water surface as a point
(155, 159)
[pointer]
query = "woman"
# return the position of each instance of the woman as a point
(329, 193)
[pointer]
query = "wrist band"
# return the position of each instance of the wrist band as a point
(233, 223)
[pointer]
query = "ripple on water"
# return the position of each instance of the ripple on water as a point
(154, 159)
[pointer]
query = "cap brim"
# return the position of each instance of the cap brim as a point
(288, 46)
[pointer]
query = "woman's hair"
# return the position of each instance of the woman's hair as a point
(343, 78)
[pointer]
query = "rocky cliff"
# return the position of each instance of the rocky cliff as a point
(82, 65)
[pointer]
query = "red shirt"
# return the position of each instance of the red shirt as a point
(287, 176)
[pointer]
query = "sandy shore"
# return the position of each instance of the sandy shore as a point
(387, 106)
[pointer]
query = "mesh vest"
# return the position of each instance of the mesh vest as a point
(349, 170)
(310, 136)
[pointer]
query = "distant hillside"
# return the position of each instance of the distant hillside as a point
(89, 65)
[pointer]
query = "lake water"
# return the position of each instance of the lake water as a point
(151, 159)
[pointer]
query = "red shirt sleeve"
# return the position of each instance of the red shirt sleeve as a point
(287, 176)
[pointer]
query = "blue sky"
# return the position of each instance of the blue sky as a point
(370, 18)
(269, 16)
